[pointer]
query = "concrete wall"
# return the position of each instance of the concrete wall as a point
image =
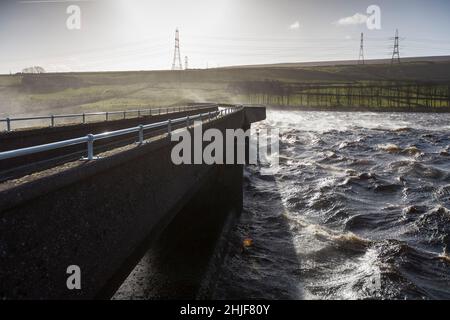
(102, 216)
(184, 262)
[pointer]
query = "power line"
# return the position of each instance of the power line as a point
(235, 48)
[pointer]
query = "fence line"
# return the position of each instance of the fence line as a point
(392, 94)
(91, 138)
(107, 115)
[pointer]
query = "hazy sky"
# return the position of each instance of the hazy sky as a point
(139, 34)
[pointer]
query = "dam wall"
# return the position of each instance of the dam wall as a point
(103, 215)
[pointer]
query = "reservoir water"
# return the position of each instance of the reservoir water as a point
(360, 209)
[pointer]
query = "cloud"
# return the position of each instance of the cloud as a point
(295, 25)
(357, 18)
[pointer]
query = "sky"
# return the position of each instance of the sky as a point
(139, 34)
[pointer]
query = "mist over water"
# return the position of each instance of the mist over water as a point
(358, 210)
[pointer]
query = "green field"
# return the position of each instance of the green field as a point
(311, 86)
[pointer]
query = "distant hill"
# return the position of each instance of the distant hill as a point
(89, 91)
(434, 59)
(45, 83)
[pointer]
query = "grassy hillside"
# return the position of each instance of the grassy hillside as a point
(79, 92)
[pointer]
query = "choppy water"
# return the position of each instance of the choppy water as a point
(359, 210)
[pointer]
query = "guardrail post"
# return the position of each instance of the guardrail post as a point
(90, 146)
(124, 115)
(107, 116)
(84, 118)
(53, 120)
(8, 124)
(169, 127)
(159, 111)
(141, 134)
(139, 113)
(187, 122)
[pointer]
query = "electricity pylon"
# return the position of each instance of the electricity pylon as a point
(396, 53)
(361, 51)
(176, 65)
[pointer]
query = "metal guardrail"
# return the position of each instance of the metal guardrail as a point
(84, 116)
(91, 138)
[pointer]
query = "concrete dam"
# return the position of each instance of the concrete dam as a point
(123, 203)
